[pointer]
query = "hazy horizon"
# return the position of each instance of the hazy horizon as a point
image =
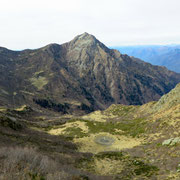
(111, 47)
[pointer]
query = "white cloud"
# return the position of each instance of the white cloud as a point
(35, 23)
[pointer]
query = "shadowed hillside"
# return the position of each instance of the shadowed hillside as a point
(78, 77)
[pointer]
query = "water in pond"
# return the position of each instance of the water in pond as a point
(104, 140)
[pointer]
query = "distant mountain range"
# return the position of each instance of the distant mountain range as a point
(79, 76)
(168, 56)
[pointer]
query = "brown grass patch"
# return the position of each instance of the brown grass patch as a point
(87, 144)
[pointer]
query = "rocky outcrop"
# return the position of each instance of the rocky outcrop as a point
(171, 141)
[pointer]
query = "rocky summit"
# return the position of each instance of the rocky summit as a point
(79, 76)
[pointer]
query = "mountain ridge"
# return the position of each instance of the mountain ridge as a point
(80, 75)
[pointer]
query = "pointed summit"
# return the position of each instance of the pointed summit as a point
(84, 39)
(86, 35)
(87, 41)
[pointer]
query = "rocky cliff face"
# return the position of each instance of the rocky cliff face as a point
(79, 76)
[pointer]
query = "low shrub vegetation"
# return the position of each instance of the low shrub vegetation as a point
(25, 163)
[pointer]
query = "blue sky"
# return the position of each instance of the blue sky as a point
(36, 23)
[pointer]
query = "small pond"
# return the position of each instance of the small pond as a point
(104, 140)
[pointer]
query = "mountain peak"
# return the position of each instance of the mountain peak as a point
(84, 40)
(86, 35)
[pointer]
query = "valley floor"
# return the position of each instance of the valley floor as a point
(122, 142)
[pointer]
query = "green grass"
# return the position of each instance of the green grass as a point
(142, 168)
(128, 125)
(133, 127)
(96, 127)
(75, 132)
(121, 110)
(36, 176)
(110, 155)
